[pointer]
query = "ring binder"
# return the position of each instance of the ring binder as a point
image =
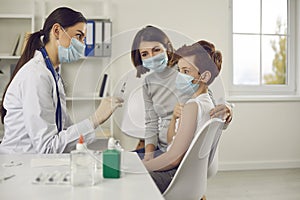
(90, 38)
(98, 39)
(107, 38)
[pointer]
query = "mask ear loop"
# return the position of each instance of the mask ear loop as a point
(65, 32)
(198, 79)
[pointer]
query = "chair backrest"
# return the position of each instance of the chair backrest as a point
(190, 180)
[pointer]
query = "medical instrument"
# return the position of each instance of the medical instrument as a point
(66, 177)
(12, 164)
(53, 178)
(123, 88)
(7, 177)
(40, 178)
(58, 113)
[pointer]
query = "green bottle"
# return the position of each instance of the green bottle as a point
(111, 161)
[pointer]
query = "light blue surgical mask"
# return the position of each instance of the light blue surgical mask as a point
(184, 84)
(156, 63)
(71, 53)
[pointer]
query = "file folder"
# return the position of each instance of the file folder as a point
(107, 38)
(90, 38)
(98, 38)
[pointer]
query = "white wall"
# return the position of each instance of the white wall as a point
(262, 134)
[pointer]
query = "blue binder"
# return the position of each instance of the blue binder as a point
(90, 38)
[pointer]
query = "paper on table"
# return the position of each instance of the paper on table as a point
(48, 162)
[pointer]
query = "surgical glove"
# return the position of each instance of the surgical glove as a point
(107, 106)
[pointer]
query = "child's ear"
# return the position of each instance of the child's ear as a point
(205, 76)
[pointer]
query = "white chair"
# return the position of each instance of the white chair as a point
(190, 180)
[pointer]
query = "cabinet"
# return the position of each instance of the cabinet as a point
(82, 79)
(15, 21)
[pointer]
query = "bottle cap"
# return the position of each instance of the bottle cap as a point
(80, 145)
(118, 145)
(111, 143)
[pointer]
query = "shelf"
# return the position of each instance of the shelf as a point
(83, 98)
(77, 98)
(98, 17)
(16, 16)
(92, 17)
(6, 56)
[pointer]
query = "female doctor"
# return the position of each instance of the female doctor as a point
(34, 108)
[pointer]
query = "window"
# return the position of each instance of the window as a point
(263, 50)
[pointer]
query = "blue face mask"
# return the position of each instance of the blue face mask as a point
(71, 53)
(184, 84)
(156, 63)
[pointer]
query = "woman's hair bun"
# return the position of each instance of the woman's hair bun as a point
(217, 58)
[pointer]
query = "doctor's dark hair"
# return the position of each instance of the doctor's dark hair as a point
(64, 16)
(207, 58)
(149, 34)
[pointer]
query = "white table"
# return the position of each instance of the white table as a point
(136, 183)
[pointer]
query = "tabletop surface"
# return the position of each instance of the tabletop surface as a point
(20, 172)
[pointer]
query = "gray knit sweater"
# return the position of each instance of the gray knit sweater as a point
(160, 96)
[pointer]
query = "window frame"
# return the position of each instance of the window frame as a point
(289, 89)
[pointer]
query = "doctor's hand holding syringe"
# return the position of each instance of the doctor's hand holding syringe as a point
(107, 106)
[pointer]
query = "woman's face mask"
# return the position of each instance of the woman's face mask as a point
(156, 63)
(184, 84)
(71, 53)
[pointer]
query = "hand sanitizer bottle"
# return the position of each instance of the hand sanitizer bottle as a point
(111, 161)
(82, 165)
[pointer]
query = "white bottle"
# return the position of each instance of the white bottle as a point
(82, 165)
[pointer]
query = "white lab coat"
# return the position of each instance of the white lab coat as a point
(29, 124)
